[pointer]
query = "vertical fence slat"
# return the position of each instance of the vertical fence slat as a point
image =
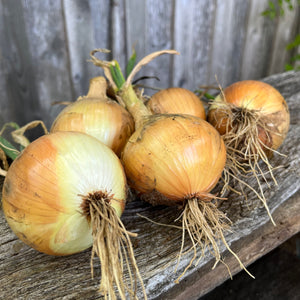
(45, 29)
(136, 27)
(228, 41)
(19, 75)
(259, 41)
(6, 109)
(192, 38)
(159, 24)
(44, 46)
(80, 39)
(118, 43)
(284, 35)
(87, 26)
(101, 17)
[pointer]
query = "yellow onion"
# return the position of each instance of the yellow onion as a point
(179, 156)
(97, 115)
(253, 119)
(176, 100)
(66, 192)
(260, 99)
(175, 159)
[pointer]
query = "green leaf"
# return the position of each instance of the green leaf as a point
(131, 63)
(8, 148)
(289, 4)
(206, 95)
(265, 13)
(289, 67)
(295, 43)
(117, 75)
(281, 12)
(209, 96)
(271, 5)
(295, 58)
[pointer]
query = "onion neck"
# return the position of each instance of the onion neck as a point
(134, 105)
(97, 88)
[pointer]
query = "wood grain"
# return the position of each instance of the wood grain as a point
(192, 67)
(27, 274)
(260, 35)
(287, 26)
(159, 35)
(19, 75)
(226, 60)
(45, 45)
(80, 36)
(48, 60)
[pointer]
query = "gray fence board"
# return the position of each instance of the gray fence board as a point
(193, 40)
(80, 38)
(286, 29)
(259, 40)
(45, 46)
(48, 59)
(19, 71)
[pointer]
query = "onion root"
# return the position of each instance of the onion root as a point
(111, 243)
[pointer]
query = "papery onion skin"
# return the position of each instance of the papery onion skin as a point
(42, 192)
(254, 96)
(98, 116)
(176, 100)
(179, 156)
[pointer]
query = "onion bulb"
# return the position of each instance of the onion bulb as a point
(66, 192)
(176, 100)
(97, 115)
(179, 156)
(253, 119)
(175, 159)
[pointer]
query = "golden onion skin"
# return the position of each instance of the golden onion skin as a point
(42, 192)
(255, 96)
(179, 156)
(104, 119)
(176, 100)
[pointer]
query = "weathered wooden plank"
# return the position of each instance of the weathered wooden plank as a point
(259, 42)
(136, 28)
(285, 34)
(258, 243)
(192, 38)
(230, 30)
(25, 273)
(101, 22)
(18, 73)
(5, 106)
(158, 36)
(278, 273)
(45, 44)
(49, 61)
(80, 37)
(118, 33)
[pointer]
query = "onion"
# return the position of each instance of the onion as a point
(174, 159)
(176, 100)
(97, 115)
(253, 119)
(179, 156)
(66, 192)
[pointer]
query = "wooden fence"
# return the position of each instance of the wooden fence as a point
(45, 45)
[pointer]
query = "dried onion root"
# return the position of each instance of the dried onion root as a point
(111, 243)
(65, 193)
(253, 119)
(174, 159)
